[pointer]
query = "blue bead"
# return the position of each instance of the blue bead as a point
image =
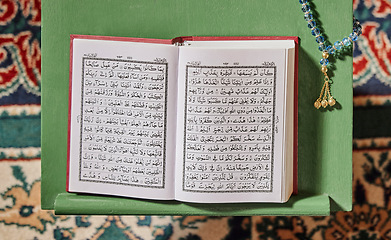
(305, 8)
(353, 36)
(346, 41)
(311, 24)
(330, 49)
(322, 47)
(324, 61)
(303, 1)
(338, 45)
(308, 17)
(315, 32)
(320, 39)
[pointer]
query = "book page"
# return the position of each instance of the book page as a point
(231, 105)
(122, 120)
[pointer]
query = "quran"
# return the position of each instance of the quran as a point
(193, 119)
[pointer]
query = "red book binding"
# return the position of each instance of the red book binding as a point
(180, 40)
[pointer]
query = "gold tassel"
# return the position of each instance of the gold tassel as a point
(325, 97)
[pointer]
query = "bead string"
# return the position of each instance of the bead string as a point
(325, 97)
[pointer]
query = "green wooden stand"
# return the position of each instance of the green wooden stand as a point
(325, 137)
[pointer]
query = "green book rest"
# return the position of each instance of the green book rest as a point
(325, 136)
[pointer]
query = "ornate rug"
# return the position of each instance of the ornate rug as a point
(22, 218)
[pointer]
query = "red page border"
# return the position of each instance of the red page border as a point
(195, 38)
(296, 84)
(92, 37)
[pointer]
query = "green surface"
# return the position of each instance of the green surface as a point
(306, 204)
(325, 137)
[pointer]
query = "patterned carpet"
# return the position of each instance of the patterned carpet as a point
(22, 218)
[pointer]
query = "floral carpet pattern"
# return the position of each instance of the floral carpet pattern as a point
(22, 218)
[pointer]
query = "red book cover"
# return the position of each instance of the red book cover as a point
(106, 38)
(195, 38)
(249, 38)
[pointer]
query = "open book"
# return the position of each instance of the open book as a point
(195, 119)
